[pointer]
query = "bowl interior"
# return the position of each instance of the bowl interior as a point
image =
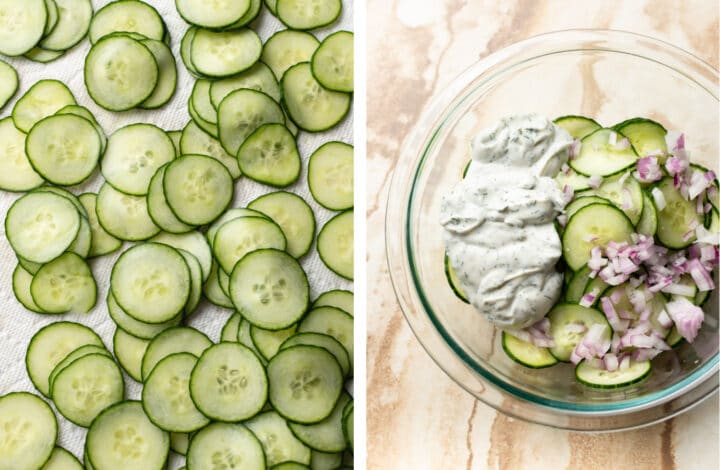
(609, 86)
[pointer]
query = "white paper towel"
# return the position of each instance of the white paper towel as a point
(18, 325)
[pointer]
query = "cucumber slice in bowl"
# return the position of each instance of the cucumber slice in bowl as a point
(567, 337)
(676, 218)
(22, 25)
(591, 376)
(310, 106)
(627, 195)
(64, 149)
(577, 126)
(120, 73)
(333, 62)
(305, 383)
(599, 157)
(40, 226)
(646, 136)
(270, 289)
(135, 441)
(222, 445)
(526, 354)
(593, 225)
(86, 387)
(229, 383)
(29, 430)
(64, 285)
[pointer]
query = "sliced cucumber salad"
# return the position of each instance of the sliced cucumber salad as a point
(640, 252)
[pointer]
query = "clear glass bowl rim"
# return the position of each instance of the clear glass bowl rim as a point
(415, 150)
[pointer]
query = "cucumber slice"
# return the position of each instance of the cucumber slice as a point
(326, 342)
(278, 295)
(648, 223)
(135, 441)
(646, 136)
(194, 242)
(453, 281)
(333, 322)
(310, 106)
(241, 113)
(181, 339)
(238, 237)
(333, 62)
(128, 16)
(120, 72)
(223, 445)
(244, 338)
(224, 53)
(324, 461)
(194, 140)
(327, 435)
(249, 16)
(596, 286)
(43, 99)
(673, 338)
(73, 23)
(629, 191)
(166, 395)
(526, 354)
(572, 179)
(675, 219)
(16, 173)
(124, 216)
(229, 331)
(179, 442)
(576, 288)
(268, 342)
(167, 80)
(29, 266)
(584, 199)
(577, 126)
(176, 136)
(229, 215)
(598, 157)
(330, 176)
(271, 4)
(151, 282)
(198, 188)
(64, 149)
(287, 48)
(294, 217)
(40, 226)
(200, 98)
(22, 25)
(342, 299)
(601, 378)
(335, 244)
(81, 245)
(64, 285)
(279, 443)
(213, 292)
(29, 429)
(229, 383)
(8, 82)
(42, 56)
(129, 351)
(21, 288)
(61, 459)
(86, 387)
(185, 49)
(308, 14)
(305, 383)
(196, 281)
(258, 77)
(290, 466)
(85, 113)
(134, 153)
(269, 155)
(158, 208)
(348, 425)
(593, 225)
(133, 326)
(212, 14)
(50, 345)
(567, 339)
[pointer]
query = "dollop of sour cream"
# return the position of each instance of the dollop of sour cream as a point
(499, 232)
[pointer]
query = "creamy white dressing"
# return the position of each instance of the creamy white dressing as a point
(498, 220)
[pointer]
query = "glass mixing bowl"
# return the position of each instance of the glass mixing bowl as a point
(606, 75)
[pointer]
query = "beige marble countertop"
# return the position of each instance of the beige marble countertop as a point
(417, 417)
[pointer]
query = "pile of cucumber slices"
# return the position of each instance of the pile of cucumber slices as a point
(275, 391)
(640, 249)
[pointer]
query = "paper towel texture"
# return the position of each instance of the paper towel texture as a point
(18, 325)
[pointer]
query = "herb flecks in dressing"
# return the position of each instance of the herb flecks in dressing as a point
(498, 220)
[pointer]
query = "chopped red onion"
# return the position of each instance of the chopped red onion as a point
(676, 166)
(679, 289)
(687, 317)
(575, 328)
(700, 275)
(624, 363)
(595, 181)
(624, 178)
(596, 261)
(705, 236)
(565, 168)
(562, 220)
(568, 194)
(588, 299)
(648, 170)
(674, 140)
(622, 144)
(664, 319)
(610, 361)
(659, 199)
